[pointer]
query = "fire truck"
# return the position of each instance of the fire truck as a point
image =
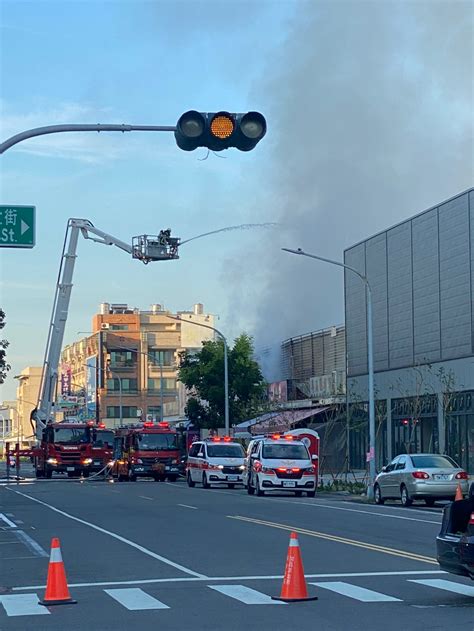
(102, 448)
(65, 447)
(148, 450)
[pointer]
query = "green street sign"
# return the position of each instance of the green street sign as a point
(17, 226)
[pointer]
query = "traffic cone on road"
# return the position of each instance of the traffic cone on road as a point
(294, 583)
(459, 495)
(57, 591)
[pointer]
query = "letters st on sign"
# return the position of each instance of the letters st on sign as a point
(17, 226)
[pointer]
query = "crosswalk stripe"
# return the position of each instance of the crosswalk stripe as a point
(22, 605)
(358, 593)
(246, 595)
(135, 599)
(448, 586)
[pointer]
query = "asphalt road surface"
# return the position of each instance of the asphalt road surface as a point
(162, 556)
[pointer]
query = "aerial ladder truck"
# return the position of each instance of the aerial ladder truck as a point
(73, 449)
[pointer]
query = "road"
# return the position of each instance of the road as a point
(160, 555)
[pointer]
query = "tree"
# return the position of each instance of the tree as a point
(202, 374)
(4, 367)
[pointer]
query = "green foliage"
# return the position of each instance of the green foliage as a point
(203, 376)
(4, 367)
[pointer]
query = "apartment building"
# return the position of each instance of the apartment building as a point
(126, 369)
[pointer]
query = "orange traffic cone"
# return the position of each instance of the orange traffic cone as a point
(57, 591)
(294, 583)
(459, 495)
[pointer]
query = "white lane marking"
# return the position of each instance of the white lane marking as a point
(187, 506)
(114, 535)
(135, 599)
(358, 593)
(373, 513)
(245, 595)
(448, 586)
(145, 497)
(22, 605)
(148, 581)
(32, 545)
(8, 522)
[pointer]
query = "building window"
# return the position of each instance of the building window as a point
(161, 357)
(128, 411)
(119, 327)
(122, 359)
(153, 413)
(169, 385)
(128, 385)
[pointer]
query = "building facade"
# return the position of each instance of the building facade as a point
(127, 368)
(421, 274)
(315, 363)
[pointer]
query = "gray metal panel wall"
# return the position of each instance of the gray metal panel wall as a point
(455, 278)
(471, 248)
(426, 323)
(400, 296)
(356, 311)
(376, 265)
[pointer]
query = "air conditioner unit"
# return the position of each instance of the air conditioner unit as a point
(105, 325)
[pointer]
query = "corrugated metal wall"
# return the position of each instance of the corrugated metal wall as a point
(314, 354)
(422, 278)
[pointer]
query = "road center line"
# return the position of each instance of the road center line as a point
(187, 506)
(150, 581)
(352, 542)
(150, 553)
(144, 497)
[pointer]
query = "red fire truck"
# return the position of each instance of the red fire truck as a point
(148, 450)
(102, 448)
(65, 447)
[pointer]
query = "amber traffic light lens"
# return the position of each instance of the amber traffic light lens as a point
(222, 126)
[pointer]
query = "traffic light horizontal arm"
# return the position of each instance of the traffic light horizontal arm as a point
(59, 129)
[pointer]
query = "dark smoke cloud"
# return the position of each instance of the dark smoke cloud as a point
(369, 109)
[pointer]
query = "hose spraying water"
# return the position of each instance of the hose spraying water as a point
(244, 226)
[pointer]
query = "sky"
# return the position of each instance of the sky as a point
(369, 113)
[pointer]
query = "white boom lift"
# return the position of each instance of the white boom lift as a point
(145, 248)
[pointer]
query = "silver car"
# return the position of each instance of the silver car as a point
(427, 477)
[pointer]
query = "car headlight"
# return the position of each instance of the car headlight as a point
(87, 461)
(242, 467)
(52, 461)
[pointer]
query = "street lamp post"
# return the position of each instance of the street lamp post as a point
(226, 366)
(370, 354)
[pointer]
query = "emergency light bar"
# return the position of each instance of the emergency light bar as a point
(280, 437)
(219, 439)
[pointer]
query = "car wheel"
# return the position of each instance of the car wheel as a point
(311, 493)
(132, 477)
(157, 478)
(205, 483)
(260, 492)
(429, 501)
(39, 473)
(172, 478)
(189, 480)
(405, 497)
(378, 495)
(231, 486)
(48, 474)
(121, 477)
(250, 489)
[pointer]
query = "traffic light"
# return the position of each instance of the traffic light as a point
(219, 130)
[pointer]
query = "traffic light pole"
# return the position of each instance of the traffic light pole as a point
(59, 129)
(370, 362)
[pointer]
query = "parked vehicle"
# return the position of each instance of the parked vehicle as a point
(146, 450)
(217, 460)
(279, 463)
(64, 448)
(427, 477)
(455, 542)
(102, 447)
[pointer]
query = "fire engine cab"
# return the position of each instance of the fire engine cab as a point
(64, 448)
(146, 450)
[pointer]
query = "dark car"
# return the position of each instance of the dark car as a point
(455, 542)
